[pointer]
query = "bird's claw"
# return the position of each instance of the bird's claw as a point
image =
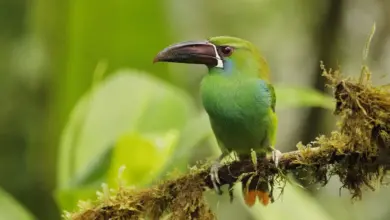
(215, 177)
(276, 155)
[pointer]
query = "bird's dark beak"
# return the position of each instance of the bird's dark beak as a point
(201, 52)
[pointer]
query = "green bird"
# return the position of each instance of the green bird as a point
(238, 98)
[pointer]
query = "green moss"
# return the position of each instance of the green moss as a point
(353, 150)
(181, 198)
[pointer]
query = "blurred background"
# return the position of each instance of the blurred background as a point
(80, 97)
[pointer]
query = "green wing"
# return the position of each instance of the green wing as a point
(273, 96)
(274, 119)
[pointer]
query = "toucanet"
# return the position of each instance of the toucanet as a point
(239, 99)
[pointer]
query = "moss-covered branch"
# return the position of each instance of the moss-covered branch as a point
(358, 153)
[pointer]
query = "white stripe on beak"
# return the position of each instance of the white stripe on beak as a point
(219, 60)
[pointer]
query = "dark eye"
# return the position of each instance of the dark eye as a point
(227, 51)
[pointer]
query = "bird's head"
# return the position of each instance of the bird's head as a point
(222, 55)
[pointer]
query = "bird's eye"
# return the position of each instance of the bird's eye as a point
(227, 51)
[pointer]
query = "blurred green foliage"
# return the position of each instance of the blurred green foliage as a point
(290, 97)
(65, 128)
(11, 209)
(134, 130)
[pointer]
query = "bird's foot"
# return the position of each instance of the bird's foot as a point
(215, 177)
(276, 155)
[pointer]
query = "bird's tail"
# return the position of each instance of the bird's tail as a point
(253, 188)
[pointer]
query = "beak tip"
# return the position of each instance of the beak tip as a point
(156, 59)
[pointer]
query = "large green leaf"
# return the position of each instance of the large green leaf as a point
(68, 198)
(144, 156)
(11, 209)
(125, 103)
(198, 129)
(289, 96)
